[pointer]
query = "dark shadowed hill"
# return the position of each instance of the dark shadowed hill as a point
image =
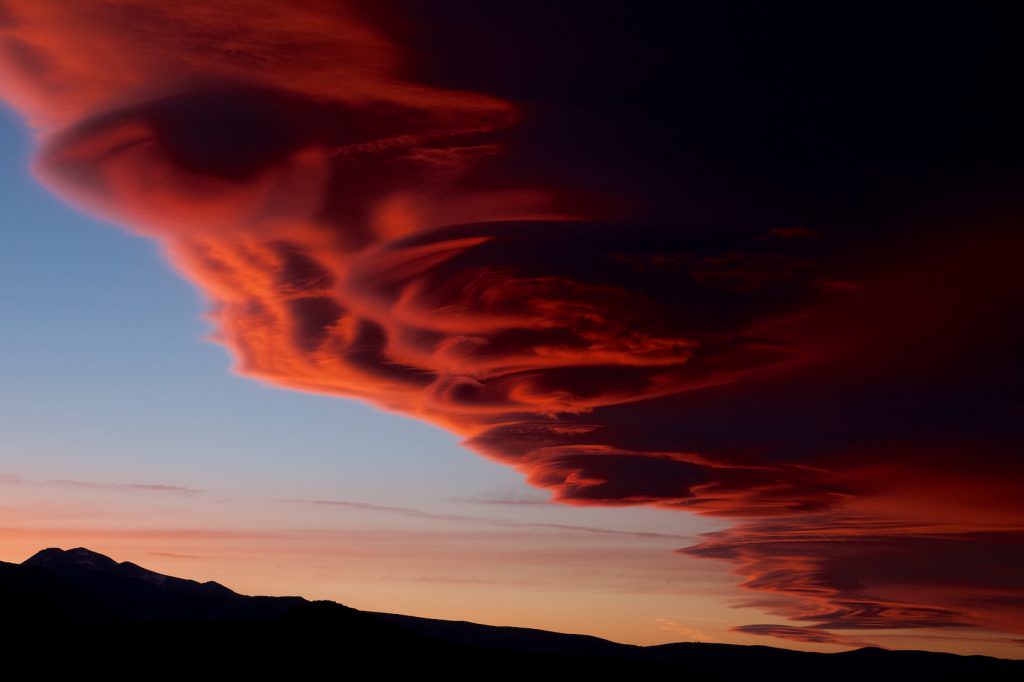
(66, 608)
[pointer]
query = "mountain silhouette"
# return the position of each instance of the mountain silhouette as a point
(74, 605)
(97, 589)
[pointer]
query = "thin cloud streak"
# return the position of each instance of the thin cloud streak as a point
(410, 512)
(173, 555)
(124, 487)
(800, 634)
(159, 488)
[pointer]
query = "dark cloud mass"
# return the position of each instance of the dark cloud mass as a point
(724, 259)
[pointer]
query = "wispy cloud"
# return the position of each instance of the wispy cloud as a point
(86, 534)
(124, 487)
(687, 633)
(161, 488)
(410, 512)
(174, 555)
(795, 633)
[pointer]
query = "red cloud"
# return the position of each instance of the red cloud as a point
(356, 234)
(864, 574)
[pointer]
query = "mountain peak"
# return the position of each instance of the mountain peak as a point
(84, 564)
(79, 557)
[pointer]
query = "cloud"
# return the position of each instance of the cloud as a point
(689, 634)
(11, 479)
(124, 487)
(149, 534)
(799, 634)
(410, 512)
(866, 574)
(172, 555)
(386, 223)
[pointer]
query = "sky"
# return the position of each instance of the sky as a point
(659, 331)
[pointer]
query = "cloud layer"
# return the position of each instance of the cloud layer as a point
(805, 347)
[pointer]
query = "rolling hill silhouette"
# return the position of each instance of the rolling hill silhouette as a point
(64, 607)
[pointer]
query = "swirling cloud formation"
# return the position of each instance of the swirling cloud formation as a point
(774, 333)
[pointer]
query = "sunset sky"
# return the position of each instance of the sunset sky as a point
(654, 330)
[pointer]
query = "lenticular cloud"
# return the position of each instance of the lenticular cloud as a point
(842, 392)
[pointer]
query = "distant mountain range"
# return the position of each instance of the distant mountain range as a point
(77, 607)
